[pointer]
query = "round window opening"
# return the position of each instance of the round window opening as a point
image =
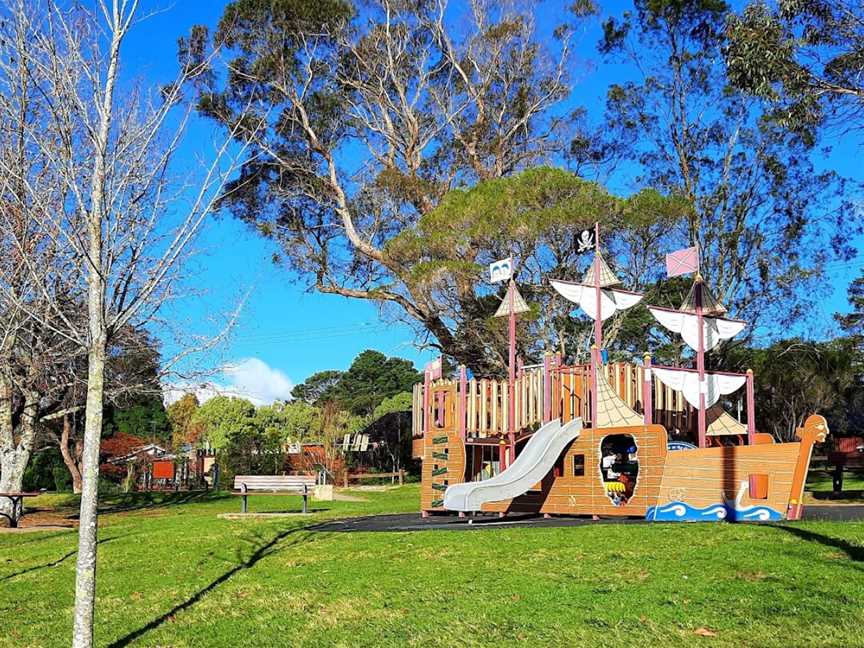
(619, 467)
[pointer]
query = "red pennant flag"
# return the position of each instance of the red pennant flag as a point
(682, 262)
(434, 369)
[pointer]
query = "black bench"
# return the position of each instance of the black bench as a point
(17, 500)
(273, 485)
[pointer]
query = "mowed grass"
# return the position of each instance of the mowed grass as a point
(173, 574)
(820, 486)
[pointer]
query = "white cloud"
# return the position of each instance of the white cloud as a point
(260, 382)
(251, 378)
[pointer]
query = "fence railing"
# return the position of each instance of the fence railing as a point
(480, 407)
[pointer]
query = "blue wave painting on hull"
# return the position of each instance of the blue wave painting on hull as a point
(681, 512)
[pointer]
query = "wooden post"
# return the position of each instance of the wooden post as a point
(647, 405)
(751, 409)
(426, 383)
(463, 396)
(547, 387)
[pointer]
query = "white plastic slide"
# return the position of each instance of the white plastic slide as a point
(533, 463)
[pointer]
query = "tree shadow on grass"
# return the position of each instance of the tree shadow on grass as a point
(844, 495)
(53, 563)
(40, 537)
(263, 549)
(852, 551)
(139, 501)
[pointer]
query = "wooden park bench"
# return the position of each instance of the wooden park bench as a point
(17, 500)
(273, 485)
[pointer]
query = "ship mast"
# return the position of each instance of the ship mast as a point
(702, 323)
(700, 358)
(598, 327)
(599, 297)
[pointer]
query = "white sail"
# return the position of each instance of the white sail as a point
(687, 382)
(611, 300)
(715, 329)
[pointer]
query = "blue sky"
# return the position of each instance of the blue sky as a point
(284, 333)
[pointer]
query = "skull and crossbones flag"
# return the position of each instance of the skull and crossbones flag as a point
(585, 241)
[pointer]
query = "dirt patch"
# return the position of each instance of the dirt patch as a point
(345, 497)
(372, 488)
(36, 519)
(36, 529)
(244, 516)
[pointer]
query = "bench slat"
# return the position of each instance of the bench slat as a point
(295, 483)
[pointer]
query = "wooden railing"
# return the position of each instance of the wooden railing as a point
(542, 394)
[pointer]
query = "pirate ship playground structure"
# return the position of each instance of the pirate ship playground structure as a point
(609, 439)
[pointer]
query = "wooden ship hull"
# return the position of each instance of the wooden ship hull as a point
(762, 481)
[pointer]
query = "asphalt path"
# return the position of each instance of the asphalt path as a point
(445, 522)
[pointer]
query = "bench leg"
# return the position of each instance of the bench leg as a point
(17, 511)
(837, 478)
(244, 507)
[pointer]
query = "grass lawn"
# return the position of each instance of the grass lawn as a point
(820, 487)
(172, 574)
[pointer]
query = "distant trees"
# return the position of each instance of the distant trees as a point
(317, 387)
(295, 421)
(400, 402)
(853, 322)
(371, 378)
(253, 438)
(796, 377)
(221, 417)
(181, 419)
(144, 417)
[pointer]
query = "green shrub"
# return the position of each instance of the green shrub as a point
(62, 479)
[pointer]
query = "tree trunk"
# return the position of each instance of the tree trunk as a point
(85, 572)
(71, 458)
(15, 455)
(13, 463)
(96, 218)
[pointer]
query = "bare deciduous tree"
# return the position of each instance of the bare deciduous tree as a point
(98, 180)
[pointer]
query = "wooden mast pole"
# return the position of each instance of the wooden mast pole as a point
(700, 359)
(751, 409)
(647, 405)
(511, 376)
(598, 327)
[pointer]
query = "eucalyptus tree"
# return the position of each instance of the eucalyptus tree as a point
(804, 56)
(376, 112)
